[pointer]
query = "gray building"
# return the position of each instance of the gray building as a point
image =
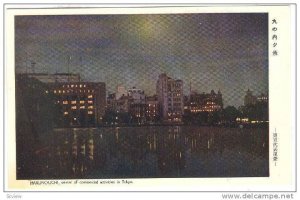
(55, 78)
(170, 98)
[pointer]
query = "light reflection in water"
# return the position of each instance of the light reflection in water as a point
(156, 152)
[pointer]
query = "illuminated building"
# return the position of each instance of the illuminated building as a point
(138, 112)
(205, 102)
(83, 103)
(262, 98)
(122, 99)
(152, 112)
(137, 105)
(251, 99)
(130, 101)
(170, 98)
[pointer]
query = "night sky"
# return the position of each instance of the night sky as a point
(212, 51)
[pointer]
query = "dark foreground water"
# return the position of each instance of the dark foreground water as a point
(139, 152)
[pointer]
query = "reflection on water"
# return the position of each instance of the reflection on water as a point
(176, 151)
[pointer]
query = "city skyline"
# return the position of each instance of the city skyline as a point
(133, 50)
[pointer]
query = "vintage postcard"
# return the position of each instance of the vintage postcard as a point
(162, 98)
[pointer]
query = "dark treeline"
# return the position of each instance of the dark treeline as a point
(36, 114)
(228, 115)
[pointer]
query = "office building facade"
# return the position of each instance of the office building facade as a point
(170, 98)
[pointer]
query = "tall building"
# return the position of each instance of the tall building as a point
(83, 103)
(170, 98)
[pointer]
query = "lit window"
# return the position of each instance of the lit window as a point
(54, 91)
(75, 85)
(90, 112)
(90, 102)
(63, 91)
(73, 102)
(59, 91)
(84, 85)
(65, 113)
(46, 91)
(65, 102)
(90, 96)
(80, 85)
(72, 86)
(81, 102)
(90, 107)
(82, 107)
(73, 107)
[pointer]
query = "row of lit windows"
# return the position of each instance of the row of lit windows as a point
(75, 102)
(174, 113)
(74, 85)
(176, 119)
(69, 91)
(151, 111)
(151, 114)
(202, 110)
(198, 110)
(81, 107)
(212, 107)
(210, 103)
(242, 119)
(89, 112)
(209, 110)
(262, 98)
(206, 109)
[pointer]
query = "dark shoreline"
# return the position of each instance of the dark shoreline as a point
(260, 125)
